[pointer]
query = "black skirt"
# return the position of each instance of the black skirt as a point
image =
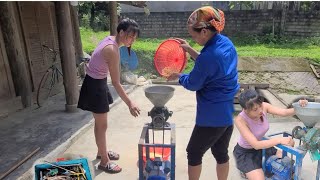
(95, 95)
(250, 159)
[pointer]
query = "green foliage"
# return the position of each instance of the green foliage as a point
(85, 21)
(245, 4)
(189, 66)
(293, 5)
(84, 7)
(310, 5)
(276, 40)
(94, 15)
(274, 46)
(146, 67)
(265, 46)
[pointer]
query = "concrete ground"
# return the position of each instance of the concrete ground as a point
(273, 64)
(49, 127)
(285, 75)
(56, 131)
(124, 133)
(285, 82)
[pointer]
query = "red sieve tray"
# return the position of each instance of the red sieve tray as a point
(170, 55)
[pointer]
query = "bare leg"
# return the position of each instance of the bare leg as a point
(194, 172)
(256, 174)
(100, 129)
(222, 171)
(95, 135)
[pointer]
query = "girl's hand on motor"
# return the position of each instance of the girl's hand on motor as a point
(288, 141)
(173, 76)
(303, 102)
(134, 110)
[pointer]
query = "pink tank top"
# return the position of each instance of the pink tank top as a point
(258, 129)
(97, 67)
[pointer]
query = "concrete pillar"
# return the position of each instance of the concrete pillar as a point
(16, 58)
(77, 37)
(67, 54)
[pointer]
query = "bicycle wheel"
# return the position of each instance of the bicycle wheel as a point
(46, 86)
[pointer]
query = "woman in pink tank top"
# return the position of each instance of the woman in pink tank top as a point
(252, 124)
(95, 96)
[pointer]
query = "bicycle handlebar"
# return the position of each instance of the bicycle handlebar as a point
(55, 53)
(52, 50)
(86, 60)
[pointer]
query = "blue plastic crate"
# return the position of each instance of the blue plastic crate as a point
(82, 161)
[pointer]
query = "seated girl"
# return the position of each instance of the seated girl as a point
(252, 124)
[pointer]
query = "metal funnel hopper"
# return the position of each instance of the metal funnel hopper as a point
(309, 114)
(159, 95)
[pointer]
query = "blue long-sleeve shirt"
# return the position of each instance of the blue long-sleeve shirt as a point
(214, 77)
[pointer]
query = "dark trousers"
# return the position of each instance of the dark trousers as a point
(203, 138)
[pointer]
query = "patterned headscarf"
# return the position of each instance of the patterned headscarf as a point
(207, 16)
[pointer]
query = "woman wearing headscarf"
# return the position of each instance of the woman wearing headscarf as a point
(214, 77)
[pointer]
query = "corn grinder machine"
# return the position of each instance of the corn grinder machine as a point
(157, 168)
(286, 168)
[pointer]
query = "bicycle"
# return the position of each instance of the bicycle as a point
(81, 69)
(51, 78)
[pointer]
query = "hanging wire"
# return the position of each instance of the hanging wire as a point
(163, 136)
(154, 148)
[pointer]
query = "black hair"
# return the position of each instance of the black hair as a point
(128, 25)
(211, 28)
(249, 98)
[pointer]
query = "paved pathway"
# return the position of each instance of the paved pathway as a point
(284, 82)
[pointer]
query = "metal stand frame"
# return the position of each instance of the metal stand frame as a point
(145, 142)
(294, 151)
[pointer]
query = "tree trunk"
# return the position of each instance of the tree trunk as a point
(15, 55)
(113, 17)
(77, 37)
(67, 54)
(298, 6)
(92, 14)
(283, 18)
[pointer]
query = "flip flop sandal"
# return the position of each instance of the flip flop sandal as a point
(111, 168)
(112, 156)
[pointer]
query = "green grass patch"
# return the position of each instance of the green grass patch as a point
(90, 39)
(273, 46)
(251, 46)
(310, 52)
(290, 91)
